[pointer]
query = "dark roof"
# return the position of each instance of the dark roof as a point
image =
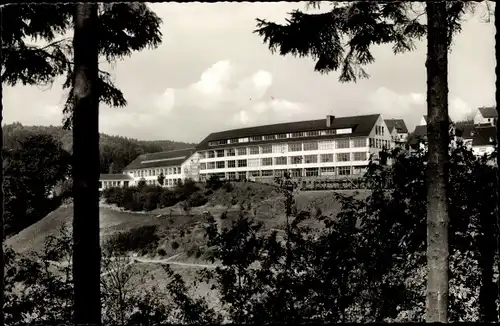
(161, 159)
(484, 136)
(399, 124)
(362, 126)
(115, 177)
(420, 131)
(490, 112)
(466, 130)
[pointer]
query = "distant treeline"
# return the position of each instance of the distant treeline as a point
(116, 151)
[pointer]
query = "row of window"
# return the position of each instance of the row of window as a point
(379, 143)
(379, 130)
(167, 182)
(314, 133)
(284, 160)
(294, 173)
(290, 147)
(109, 184)
(155, 172)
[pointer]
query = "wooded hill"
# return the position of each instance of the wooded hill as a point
(116, 151)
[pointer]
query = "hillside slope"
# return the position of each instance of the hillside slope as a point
(264, 202)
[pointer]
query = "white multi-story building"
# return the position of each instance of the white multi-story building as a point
(176, 165)
(335, 146)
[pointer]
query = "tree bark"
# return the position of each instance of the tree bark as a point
(437, 166)
(86, 247)
(2, 258)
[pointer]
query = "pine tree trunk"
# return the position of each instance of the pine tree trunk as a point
(437, 166)
(2, 258)
(86, 248)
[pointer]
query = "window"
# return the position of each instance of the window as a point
(211, 154)
(220, 164)
(358, 169)
(343, 157)
(255, 173)
(253, 162)
(279, 148)
(329, 132)
(343, 143)
(266, 149)
(296, 173)
(313, 146)
(295, 159)
(242, 151)
(328, 170)
(359, 142)
(254, 150)
(267, 161)
(220, 153)
(344, 170)
(308, 159)
(279, 173)
(231, 164)
(326, 145)
(359, 156)
(242, 163)
(231, 152)
(281, 136)
(269, 137)
(256, 138)
(312, 172)
(231, 175)
(267, 173)
(280, 161)
(326, 158)
(233, 141)
(203, 166)
(370, 142)
(295, 147)
(312, 133)
(297, 134)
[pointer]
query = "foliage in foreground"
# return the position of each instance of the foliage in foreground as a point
(366, 264)
(39, 289)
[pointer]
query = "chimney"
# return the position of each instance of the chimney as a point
(329, 120)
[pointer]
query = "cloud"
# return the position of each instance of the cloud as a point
(412, 106)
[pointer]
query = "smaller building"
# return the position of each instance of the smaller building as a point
(483, 140)
(114, 180)
(486, 115)
(176, 166)
(397, 129)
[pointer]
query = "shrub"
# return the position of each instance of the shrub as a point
(214, 182)
(175, 245)
(223, 216)
(161, 252)
(228, 186)
(196, 200)
(142, 239)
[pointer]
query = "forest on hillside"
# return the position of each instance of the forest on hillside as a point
(113, 149)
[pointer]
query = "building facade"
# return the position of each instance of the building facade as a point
(398, 130)
(486, 115)
(115, 180)
(331, 147)
(176, 166)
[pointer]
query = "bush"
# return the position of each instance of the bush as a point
(161, 252)
(196, 200)
(175, 245)
(214, 182)
(142, 239)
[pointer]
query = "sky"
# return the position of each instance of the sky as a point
(212, 73)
